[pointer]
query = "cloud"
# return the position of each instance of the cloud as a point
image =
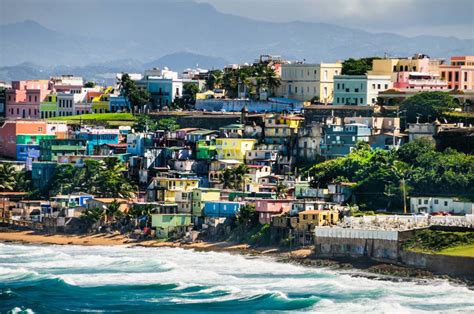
(408, 17)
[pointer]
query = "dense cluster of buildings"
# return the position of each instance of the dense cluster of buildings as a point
(190, 175)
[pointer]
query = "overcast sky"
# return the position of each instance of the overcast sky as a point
(406, 17)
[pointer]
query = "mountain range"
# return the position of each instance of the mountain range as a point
(108, 35)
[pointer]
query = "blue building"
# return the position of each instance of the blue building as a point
(339, 140)
(163, 91)
(97, 137)
(221, 209)
(118, 103)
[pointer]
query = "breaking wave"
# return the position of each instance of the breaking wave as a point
(54, 279)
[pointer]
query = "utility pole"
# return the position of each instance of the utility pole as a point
(404, 196)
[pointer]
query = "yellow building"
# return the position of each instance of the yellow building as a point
(170, 187)
(305, 81)
(202, 195)
(418, 63)
(315, 218)
(234, 148)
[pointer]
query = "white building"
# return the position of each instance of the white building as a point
(359, 90)
(431, 204)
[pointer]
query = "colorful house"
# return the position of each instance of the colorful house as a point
(267, 208)
(359, 90)
(459, 73)
(20, 139)
(167, 225)
(202, 195)
(339, 140)
(234, 148)
(206, 150)
(96, 137)
(24, 98)
(49, 107)
(165, 189)
(54, 149)
(309, 219)
(221, 209)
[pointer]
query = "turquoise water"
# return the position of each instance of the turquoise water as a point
(58, 279)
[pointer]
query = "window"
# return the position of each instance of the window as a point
(465, 76)
(356, 90)
(450, 76)
(338, 86)
(373, 86)
(386, 86)
(436, 202)
(414, 68)
(445, 203)
(425, 202)
(456, 76)
(378, 86)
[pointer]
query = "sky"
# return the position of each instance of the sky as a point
(404, 17)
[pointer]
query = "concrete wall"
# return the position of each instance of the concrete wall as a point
(440, 264)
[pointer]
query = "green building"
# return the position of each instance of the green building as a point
(167, 225)
(49, 107)
(51, 149)
(206, 150)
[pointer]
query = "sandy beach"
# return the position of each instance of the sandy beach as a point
(118, 239)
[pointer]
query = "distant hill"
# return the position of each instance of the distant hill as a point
(104, 72)
(151, 30)
(183, 60)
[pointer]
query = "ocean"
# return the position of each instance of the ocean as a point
(58, 279)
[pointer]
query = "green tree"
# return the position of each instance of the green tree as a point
(91, 217)
(281, 190)
(428, 106)
(112, 212)
(7, 177)
(357, 66)
(137, 97)
(214, 79)
(167, 124)
(188, 99)
(89, 84)
(145, 124)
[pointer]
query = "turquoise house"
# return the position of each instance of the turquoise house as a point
(221, 209)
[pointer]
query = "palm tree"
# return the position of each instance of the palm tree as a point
(7, 177)
(272, 80)
(227, 178)
(112, 211)
(214, 80)
(92, 216)
(281, 190)
(239, 176)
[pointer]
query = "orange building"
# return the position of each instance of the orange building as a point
(20, 139)
(459, 73)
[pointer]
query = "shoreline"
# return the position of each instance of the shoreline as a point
(366, 268)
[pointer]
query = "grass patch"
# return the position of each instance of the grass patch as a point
(461, 250)
(117, 116)
(110, 119)
(441, 242)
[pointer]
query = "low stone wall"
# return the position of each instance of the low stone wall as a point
(379, 249)
(457, 266)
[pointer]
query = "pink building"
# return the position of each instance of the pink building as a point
(24, 97)
(459, 73)
(419, 80)
(267, 208)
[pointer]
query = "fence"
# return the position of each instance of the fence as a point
(328, 232)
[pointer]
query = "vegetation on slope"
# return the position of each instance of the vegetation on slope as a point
(442, 242)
